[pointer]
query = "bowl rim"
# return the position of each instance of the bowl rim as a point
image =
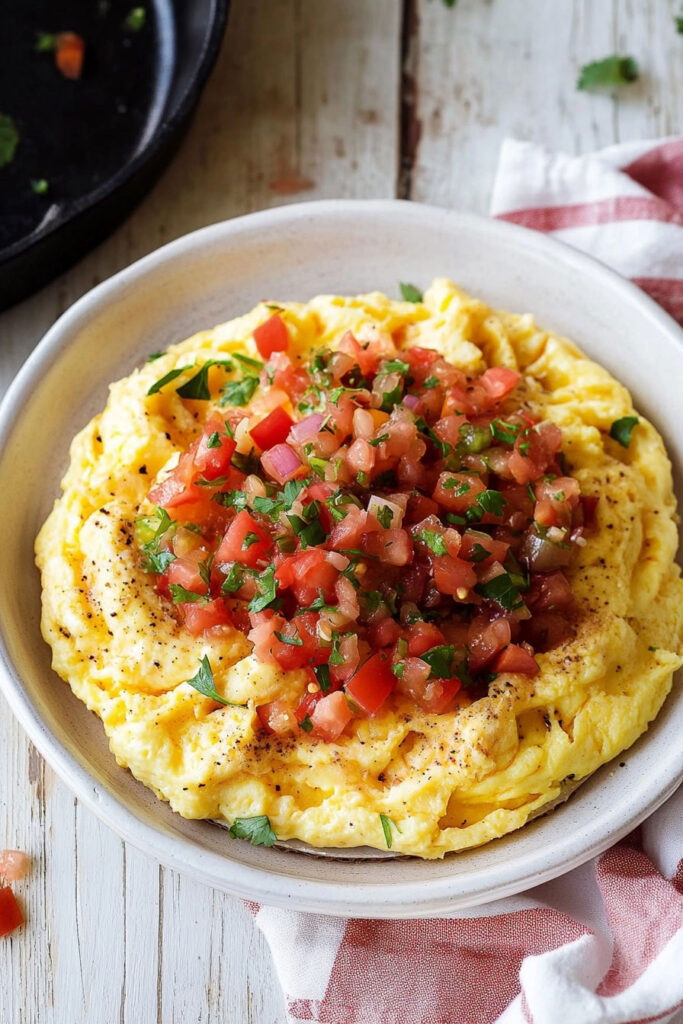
(408, 898)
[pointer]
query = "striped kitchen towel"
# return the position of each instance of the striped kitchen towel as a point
(603, 944)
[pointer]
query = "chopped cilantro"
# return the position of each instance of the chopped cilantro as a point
(234, 580)
(203, 682)
(293, 641)
(492, 502)
(454, 520)
(473, 438)
(45, 42)
(157, 561)
(607, 73)
(622, 429)
(395, 366)
(269, 506)
(9, 139)
(505, 432)
(257, 830)
(362, 478)
(214, 440)
(266, 586)
(440, 660)
(249, 539)
(307, 526)
(232, 499)
(431, 382)
(40, 186)
(378, 440)
(135, 19)
(502, 590)
(478, 553)
(409, 292)
(432, 540)
(322, 674)
(239, 392)
(383, 515)
(167, 378)
(306, 724)
(204, 569)
(292, 490)
(387, 825)
(181, 595)
(246, 464)
(197, 387)
(336, 658)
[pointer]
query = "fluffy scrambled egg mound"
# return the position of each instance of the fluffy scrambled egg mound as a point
(448, 781)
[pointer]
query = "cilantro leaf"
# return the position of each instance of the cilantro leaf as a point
(433, 540)
(257, 830)
(507, 433)
(622, 429)
(231, 499)
(239, 392)
(607, 73)
(269, 506)
(157, 561)
(395, 366)
(409, 292)
(266, 586)
(40, 186)
(197, 387)
(214, 440)
(492, 502)
(135, 19)
(167, 378)
(292, 641)
(387, 824)
(478, 553)
(235, 579)
(322, 674)
(182, 595)
(306, 724)
(440, 660)
(679, 25)
(202, 681)
(502, 590)
(251, 364)
(9, 139)
(46, 42)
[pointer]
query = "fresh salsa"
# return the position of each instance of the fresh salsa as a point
(371, 515)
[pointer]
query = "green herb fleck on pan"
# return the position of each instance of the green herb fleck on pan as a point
(40, 186)
(135, 19)
(409, 292)
(9, 139)
(608, 73)
(256, 830)
(45, 42)
(622, 429)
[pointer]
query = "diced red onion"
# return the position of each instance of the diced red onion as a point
(307, 428)
(281, 463)
(411, 401)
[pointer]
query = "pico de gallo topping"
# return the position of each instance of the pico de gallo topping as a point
(371, 515)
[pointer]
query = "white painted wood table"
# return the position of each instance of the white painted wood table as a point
(309, 99)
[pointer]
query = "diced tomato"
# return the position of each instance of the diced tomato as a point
(499, 381)
(393, 547)
(534, 451)
(69, 54)
(438, 694)
(348, 532)
(549, 592)
(372, 683)
(273, 429)
(485, 639)
(384, 633)
(458, 491)
(14, 865)
(184, 571)
(278, 718)
(199, 615)
(546, 630)
(308, 574)
(514, 658)
(271, 336)
(330, 716)
(214, 462)
(419, 507)
(455, 577)
(246, 541)
(363, 357)
(10, 912)
(473, 542)
(422, 636)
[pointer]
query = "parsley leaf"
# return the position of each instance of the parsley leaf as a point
(269, 506)
(249, 539)
(234, 580)
(197, 387)
(491, 501)
(257, 830)
(306, 724)
(135, 19)
(231, 499)
(507, 433)
(432, 540)
(157, 561)
(307, 526)
(293, 641)
(440, 660)
(203, 683)
(622, 429)
(181, 595)
(9, 139)
(478, 553)
(266, 585)
(384, 516)
(45, 42)
(502, 590)
(167, 378)
(607, 73)
(409, 292)
(387, 824)
(251, 364)
(40, 186)
(395, 366)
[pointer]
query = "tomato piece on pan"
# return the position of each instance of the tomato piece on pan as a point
(271, 336)
(372, 683)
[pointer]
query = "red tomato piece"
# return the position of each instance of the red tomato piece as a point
(11, 915)
(69, 54)
(278, 718)
(213, 462)
(393, 547)
(372, 683)
(549, 592)
(419, 507)
(384, 633)
(470, 548)
(458, 491)
(546, 630)
(534, 451)
(422, 636)
(452, 575)
(485, 639)
(184, 571)
(246, 541)
(438, 694)
(273, 429)
(516, 659)
(331, 715)
(499, 381)
(308, 574)
(271, 336)
(200, 615)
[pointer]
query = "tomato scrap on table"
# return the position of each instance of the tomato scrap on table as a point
(13, 866)
(372, 516)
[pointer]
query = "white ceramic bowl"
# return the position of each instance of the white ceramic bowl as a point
(212, 275)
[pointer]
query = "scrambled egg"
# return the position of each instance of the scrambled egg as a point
(448, 781)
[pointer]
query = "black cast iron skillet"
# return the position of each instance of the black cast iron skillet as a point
(99, 142)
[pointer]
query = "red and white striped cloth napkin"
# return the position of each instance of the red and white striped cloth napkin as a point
(604, 943)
